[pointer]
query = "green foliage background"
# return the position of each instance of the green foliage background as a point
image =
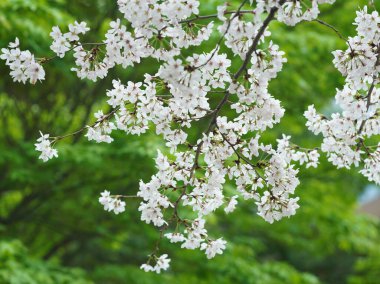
(52, 229)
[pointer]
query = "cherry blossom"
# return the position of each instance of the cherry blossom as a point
(44, 146)
(111, 203)
(23, 65)
(162, 263)
(189, 89)
(213, 248)
(345, 134)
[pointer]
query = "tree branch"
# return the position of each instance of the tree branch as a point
(369, 94)
(330, 27)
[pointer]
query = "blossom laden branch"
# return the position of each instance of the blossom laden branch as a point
(256, 40)
(191, 176)
(345, 133)
(371, 89)
(46, 143)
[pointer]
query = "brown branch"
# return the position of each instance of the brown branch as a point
(257, 38)
(104, 118)
(236, 76)
(216, 111)
(219, 41)
(43, 60)
(369, 94)
(330, 27)
(241, 156)
(196, 18)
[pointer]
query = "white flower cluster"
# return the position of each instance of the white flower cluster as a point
(213, 248)
(63, 42)
(111, 203)
(44, 146)
(190, 90)
(293, 12)
(345, 135)
(162, 263)
(23, 65)
(196, 237)
(100, 131)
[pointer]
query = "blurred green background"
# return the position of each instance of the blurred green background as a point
(52, 228)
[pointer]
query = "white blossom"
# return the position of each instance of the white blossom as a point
(231, 204)
(111, 203)
(44, 146)
(23, 65)
(162, 263)
(213, 248)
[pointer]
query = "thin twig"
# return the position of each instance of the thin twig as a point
(241, 156)
(44, 60)
(105, 117)
(239, 12)
(330, 27)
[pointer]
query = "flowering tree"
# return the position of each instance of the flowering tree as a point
(174, 99)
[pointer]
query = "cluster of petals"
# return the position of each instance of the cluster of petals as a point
(111, 203)
(162, 263)
(346, 133)
(22, 64)
(44, 146)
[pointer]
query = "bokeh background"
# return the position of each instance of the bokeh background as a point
(52, 228)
